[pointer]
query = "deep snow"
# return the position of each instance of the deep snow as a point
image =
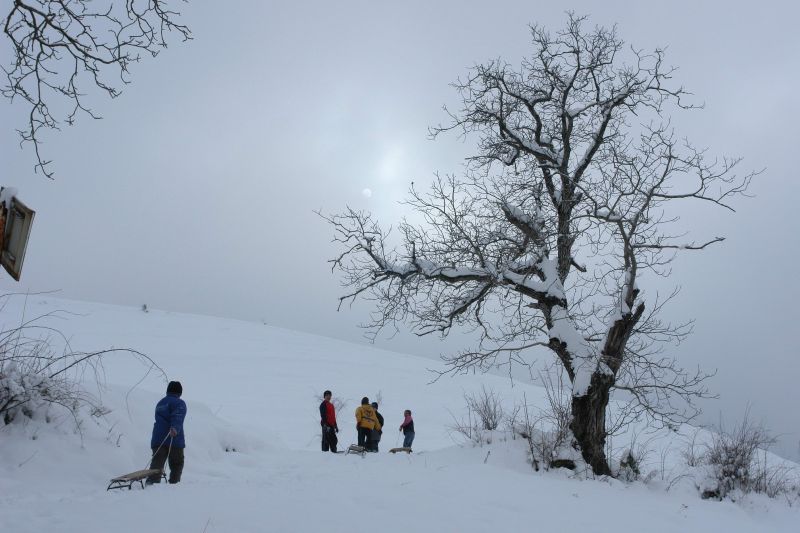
(254, 388)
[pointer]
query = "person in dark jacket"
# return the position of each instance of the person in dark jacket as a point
(327, 415)
(168, 441)
(375, 434)
(407, 427)
(366, 421)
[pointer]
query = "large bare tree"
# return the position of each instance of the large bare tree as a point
(569, 201)
(59, 47)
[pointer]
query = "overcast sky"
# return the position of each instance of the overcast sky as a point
(196, 191)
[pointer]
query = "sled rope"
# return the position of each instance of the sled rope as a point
(159, 447)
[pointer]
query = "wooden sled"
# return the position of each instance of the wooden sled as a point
(362, 451)
(395, 450)
(128, 480)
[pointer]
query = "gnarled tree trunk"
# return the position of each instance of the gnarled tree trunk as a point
(559, 174)
(589, 423)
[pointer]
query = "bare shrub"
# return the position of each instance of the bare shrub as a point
(36, 376)
(557, 416)
(469, 428)
(547, 429)
(338, 404)
(635, 458)
(693, 454)
(487, 407)
(523, 425)
(629, 466)
(736, 464)
(485, 414)
(776, 480)
(514, 418)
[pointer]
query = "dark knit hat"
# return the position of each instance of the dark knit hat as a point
(364, 400)
(374, 405)
(175, 387)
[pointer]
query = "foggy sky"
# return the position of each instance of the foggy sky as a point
(196, 190)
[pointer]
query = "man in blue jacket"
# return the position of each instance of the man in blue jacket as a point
(168, 440)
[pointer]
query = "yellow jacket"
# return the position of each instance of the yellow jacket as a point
(366, 417)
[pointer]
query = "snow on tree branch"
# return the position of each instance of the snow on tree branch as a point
(568, 203)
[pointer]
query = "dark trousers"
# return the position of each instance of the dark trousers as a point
(329, 439)
(373, 439)
(161, 455)
(363, 435)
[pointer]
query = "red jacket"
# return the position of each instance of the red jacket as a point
(327, 414)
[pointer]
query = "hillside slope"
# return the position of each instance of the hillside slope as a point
(252, 459)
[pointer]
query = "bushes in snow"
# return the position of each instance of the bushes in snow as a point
(732, 456)
(34, 377)
(487, 407)
(26, 392)
(629, 467)
(736, 463)
(545, 429)
(39, 371)
(723, 463)
(485, 414)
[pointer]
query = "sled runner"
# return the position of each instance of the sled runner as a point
(128, 480)
(395, 450)
(356, 449)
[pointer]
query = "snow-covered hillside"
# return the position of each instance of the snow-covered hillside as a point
(253, 461)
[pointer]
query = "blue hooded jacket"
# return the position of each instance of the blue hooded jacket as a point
(170, 412)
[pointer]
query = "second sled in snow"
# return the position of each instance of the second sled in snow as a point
(395, 450)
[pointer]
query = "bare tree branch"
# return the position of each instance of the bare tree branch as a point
(560, 170)
(60, 46)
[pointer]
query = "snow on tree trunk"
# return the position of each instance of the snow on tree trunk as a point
(561, 172)
(590, 402)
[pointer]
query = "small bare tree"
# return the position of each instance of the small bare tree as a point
(60, 46)
(571, 198)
